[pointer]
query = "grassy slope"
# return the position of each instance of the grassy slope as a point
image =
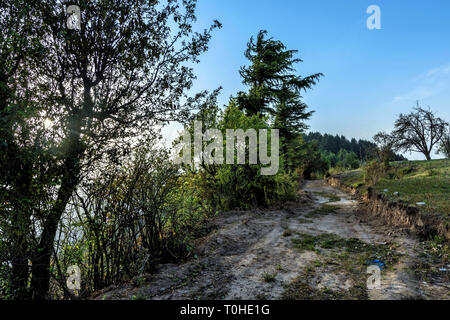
(415, 181)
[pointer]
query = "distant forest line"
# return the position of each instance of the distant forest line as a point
(336, 148)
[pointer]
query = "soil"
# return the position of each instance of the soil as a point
(312, 249)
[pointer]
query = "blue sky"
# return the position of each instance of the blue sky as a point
(370, 75)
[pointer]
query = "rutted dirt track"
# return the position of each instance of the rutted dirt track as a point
(270, 254)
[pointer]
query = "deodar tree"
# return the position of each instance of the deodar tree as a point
(100, 89)
(274, 88)
(271, 79)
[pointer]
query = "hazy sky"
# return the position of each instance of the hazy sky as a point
(370, 75)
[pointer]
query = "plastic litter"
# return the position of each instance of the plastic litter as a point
(376, 262)
(396, 193)
(420, 203)
(385, 190)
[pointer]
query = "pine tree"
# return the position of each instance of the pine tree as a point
(270, 77)
(275, 89)
(290, 116)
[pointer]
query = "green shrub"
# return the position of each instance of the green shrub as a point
(305, 159)
(239, 186)
(373, 172)
(347, 160)
(269, 277)
(130, 219)
(403, 171)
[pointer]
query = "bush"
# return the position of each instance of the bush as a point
(305, 159)
(129, 219)
(232, 186)
(444, 147)
(399, 172)
(373, 172)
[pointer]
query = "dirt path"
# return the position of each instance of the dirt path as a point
(318, 248)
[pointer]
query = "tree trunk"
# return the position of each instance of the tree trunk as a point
(41, 263)
(20, 274)
(40, 280)
(20, 222)
(20, 248)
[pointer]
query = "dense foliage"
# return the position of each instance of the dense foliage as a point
(272, 101)
(82, 181)
(74, 102)
(239, 186)
(127, 220)
(444, 147)
(344, 154)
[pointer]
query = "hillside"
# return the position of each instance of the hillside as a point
(423, 184)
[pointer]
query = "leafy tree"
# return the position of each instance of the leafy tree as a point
(243, 186)
(306, 158)
(444, 147)
(210, 115)
(331, 158)
(103, 88)
(230, 186)
(374, 171)
(385, 149)
(23, 170)
(347, 159)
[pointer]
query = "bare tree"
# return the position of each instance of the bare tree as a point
(418, 131)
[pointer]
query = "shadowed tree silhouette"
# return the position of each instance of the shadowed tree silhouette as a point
(418, 131)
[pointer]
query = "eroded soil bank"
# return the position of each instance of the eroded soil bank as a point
(399, 214)
(317, 248)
